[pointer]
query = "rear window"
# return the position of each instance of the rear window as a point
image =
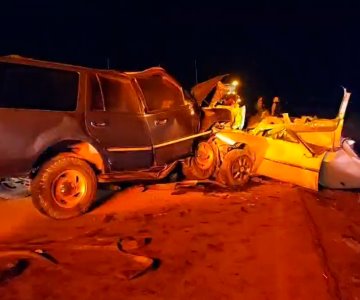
(30, 87)
(160, 93)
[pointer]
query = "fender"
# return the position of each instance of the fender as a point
(84, 149)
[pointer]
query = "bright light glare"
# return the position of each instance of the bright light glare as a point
(225, 139)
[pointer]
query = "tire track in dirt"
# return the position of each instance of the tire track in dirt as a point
(332, 279)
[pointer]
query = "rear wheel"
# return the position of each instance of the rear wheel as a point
(203, 164)
(64, 187)
(236, 168)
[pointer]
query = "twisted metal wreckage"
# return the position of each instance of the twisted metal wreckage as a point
(305, 151)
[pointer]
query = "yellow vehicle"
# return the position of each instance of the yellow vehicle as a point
(304, 151)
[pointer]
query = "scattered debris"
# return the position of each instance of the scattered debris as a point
(138, 187)
(189, 183)
(216, 194)
(243, 209)
(162, 186)
(93, 232)
(219, 247)
(38, 253)
(13, 188)
(13, 270)
(163, 212)
(46, 255)
(257, 180)
(184, 212)
(144, 188)
(352, 243)
(141, 187)
(207, 187)
(129, 244)
(113, 187)
(109, 218)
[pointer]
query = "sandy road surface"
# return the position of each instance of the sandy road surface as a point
(271, 241)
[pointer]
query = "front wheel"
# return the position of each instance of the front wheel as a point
(65, 187)
(236, 168)
(203, 164)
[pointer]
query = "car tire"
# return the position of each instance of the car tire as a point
(65, 187)
(236, 168)
(204, 163)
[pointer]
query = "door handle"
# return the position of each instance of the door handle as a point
(98, 124)
(160, 122)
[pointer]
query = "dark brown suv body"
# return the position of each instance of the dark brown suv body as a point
(126, 126)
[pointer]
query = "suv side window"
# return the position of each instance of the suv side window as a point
(96, 98)
(119, 94)
(30, 87)
(160, 93)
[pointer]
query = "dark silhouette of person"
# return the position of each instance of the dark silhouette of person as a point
(276, 107)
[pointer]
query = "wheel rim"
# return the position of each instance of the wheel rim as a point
(69, 188)
(205, 156)
(241, 168)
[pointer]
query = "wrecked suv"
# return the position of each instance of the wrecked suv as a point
(70, 127)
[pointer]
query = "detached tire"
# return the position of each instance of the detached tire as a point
(65, 187)
(236, 168)
(203, 165)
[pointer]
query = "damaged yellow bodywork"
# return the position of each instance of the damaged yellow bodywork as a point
(290, 150)
(283, 160)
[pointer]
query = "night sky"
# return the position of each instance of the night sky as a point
(302, 53)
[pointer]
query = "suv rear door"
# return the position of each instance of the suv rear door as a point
(172, 120)
(115, 119)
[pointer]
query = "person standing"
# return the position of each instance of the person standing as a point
(275, 107)
(239, 112)
(261, 113)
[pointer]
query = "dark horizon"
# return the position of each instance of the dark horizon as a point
(303, 54)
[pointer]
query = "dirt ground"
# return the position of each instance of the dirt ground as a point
(270, 241)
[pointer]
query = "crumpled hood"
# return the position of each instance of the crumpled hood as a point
(203, 89)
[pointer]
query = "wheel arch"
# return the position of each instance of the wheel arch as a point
(74, 147)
